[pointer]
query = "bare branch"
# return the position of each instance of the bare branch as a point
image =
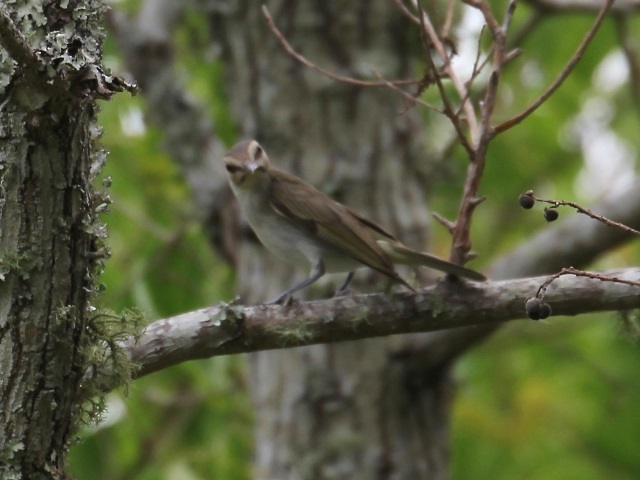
(448, 19)
(448, 110)
(540, 294)
(576, 241)
(446, 223)
(559, 6)
(586, 211)
(562, 76)
(478, 66)
(487, 13)
(403, 8)
(470, 114)
(411, 99)
(227, 329)
(631, 56)
(499, 34)
(461, 241)
(334, 76)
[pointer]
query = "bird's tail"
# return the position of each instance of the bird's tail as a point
(401, 254)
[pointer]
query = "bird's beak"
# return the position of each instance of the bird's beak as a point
(252, 166)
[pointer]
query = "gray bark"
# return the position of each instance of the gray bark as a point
(230, 329)
(346, 410)
(49, 233)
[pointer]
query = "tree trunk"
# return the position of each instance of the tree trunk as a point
(352, 410)
(49, 237)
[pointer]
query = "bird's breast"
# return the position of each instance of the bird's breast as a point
(290, 241)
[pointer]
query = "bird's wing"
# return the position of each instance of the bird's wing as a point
(330, 221)
(376, 229)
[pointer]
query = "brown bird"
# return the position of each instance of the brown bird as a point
(302, 225)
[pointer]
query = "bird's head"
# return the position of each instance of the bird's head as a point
(247, 164)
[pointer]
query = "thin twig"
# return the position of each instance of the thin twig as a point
(477, 65)
(334, 76)
(498, 34)
(631, 56)
(412, 99)
(487, 13)
(581, 273)
(477, 68)
(586, 211)
(448, 110)
(511, 9)
(403, 8)
(448, 19)
(445, 222)
(563, 6)
(469, 113)
(461, 241)
(561, 77)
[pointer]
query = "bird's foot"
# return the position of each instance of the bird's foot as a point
(286, 300)
(343, 292)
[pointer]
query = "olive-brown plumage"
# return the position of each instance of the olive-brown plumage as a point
(299, 223)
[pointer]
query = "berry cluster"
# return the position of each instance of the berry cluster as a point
(527, 201)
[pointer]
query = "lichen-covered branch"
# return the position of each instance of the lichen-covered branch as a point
(228, 329)
(16, 44)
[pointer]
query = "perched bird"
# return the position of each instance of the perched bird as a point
(302, 225)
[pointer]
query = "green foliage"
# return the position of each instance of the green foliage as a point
(193, 419)
(554, 401)
(186, 422)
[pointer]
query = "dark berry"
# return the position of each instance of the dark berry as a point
(533, 308)
(526, 201)
(551, 214)
(545, 311)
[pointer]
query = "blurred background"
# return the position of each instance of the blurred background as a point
(554, 400)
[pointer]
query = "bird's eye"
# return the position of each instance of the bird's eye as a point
(232, 168)
(258, 151)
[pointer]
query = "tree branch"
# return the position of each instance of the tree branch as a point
(226, 329)
(565, 6)
(623, 32)
(576, 241)
(466, 105)
(17, 45)
(562, 76)
(309, 64)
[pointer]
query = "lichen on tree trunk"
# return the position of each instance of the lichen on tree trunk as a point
(349, 410)
(50, 243)
(46, 236)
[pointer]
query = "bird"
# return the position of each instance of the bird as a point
(302, 225)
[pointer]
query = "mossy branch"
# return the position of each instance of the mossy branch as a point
(229, 329)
